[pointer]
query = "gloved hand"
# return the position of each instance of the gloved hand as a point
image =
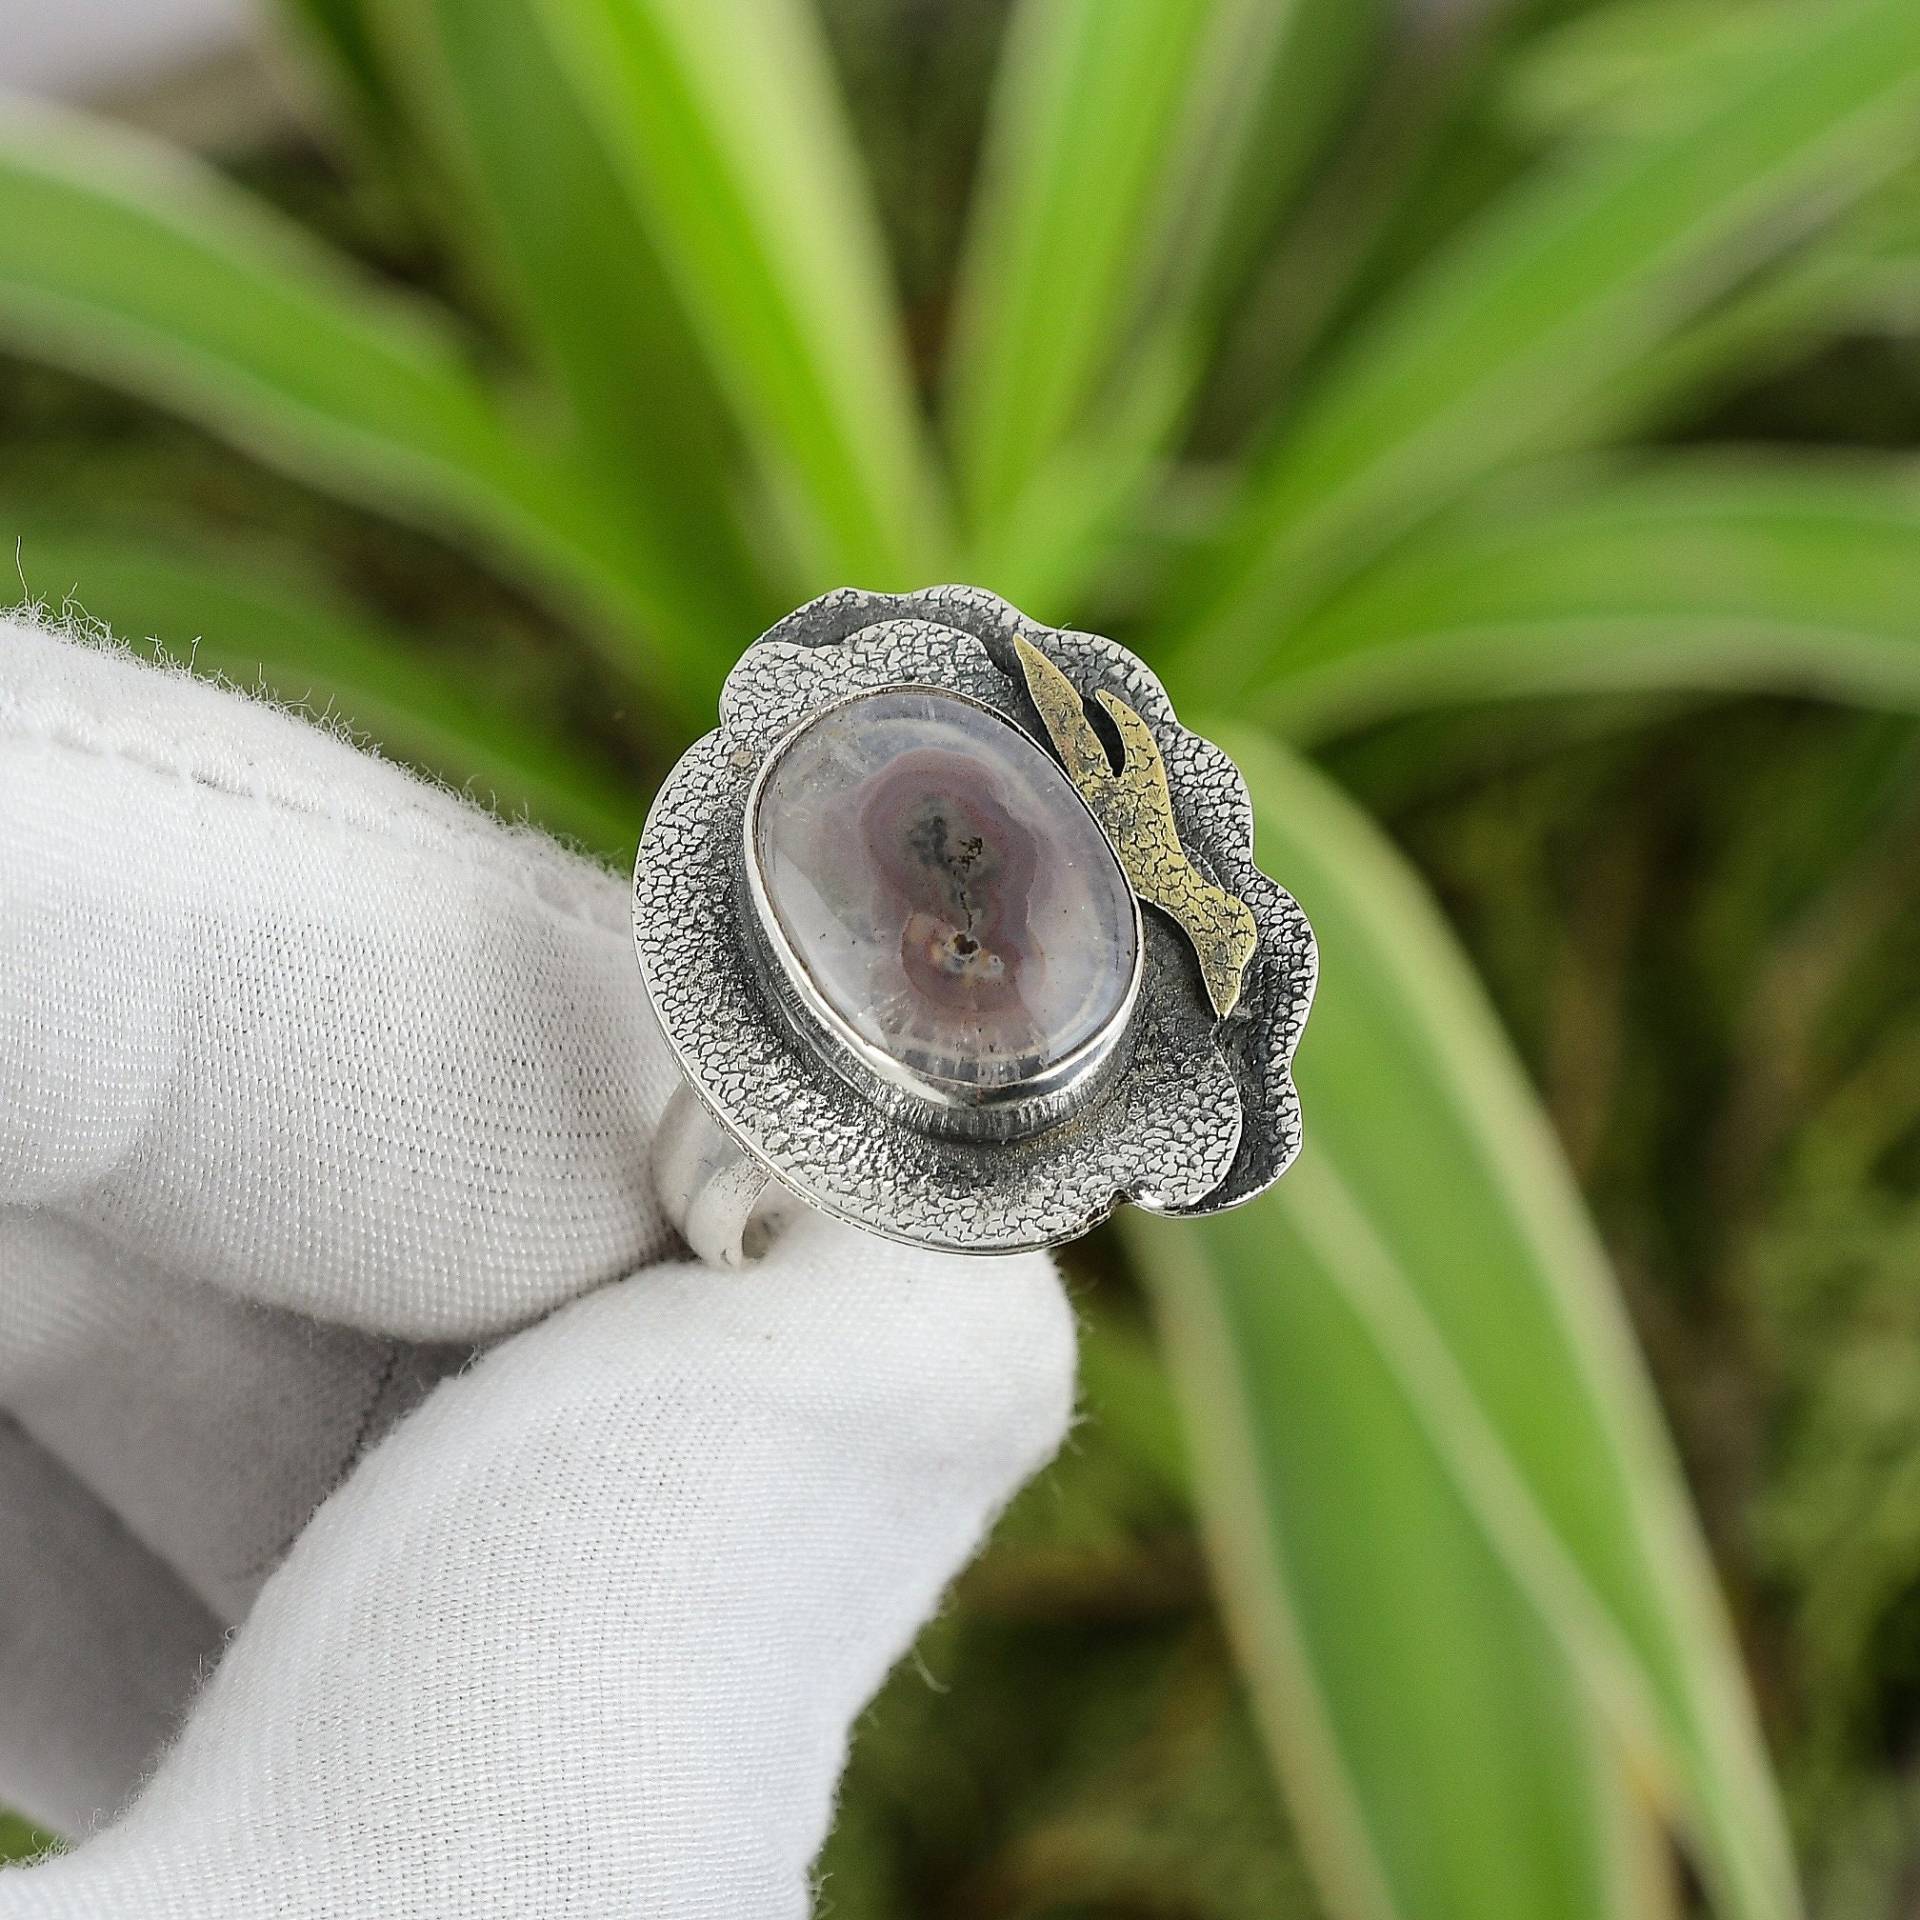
(313, 1081)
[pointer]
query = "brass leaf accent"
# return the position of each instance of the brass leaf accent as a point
(1136, 809)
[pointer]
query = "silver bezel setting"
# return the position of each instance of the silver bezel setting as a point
(965, 1109)
(1185, 1114)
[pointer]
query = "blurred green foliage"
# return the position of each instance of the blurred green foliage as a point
(19, 1841)
(1350, 362)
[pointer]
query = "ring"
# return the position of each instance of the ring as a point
(956, 935)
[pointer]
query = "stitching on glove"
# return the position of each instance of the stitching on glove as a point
(532, 878)
(541, 868)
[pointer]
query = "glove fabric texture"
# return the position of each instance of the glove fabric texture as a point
(393, 1521)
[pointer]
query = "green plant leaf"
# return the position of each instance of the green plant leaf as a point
(1861, 278)
(1438, 1755)
(221, 611)
(21, 1841)
(124, 259)
(1644, 67)
(1414, 159)
(513, 146)
(1637, 67)
(1417, 1409)
(122, 256)
(1695, 574)
(1497, 350)
(1133, 154)
(1096, 110)
(725, 126)
(337, 35)
(1124, 1387)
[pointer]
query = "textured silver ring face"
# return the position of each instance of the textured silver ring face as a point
(1151, 1095)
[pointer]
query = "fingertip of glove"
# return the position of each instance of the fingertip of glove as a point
(962, 1360)
(284, 1018)
(955, 1351)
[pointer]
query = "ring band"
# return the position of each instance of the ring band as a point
(720, 1200)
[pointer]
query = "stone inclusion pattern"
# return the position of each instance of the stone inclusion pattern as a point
(937, 881)
(1201, 1114)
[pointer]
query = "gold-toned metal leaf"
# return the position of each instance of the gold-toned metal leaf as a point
(1136, 809)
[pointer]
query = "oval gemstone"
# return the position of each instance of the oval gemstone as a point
(934, 882)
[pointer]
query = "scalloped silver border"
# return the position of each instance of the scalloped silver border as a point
(1201, 1116)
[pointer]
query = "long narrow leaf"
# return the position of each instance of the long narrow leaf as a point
(1637, 67)
(1641, 68)
(1430, 1250)
(225, 612)
(1577, 274)
(337, 36)
(724, 124)
(123, 255)
(1133, 153)
(546, 226)
(1861, 278)
(125, 260)
(1702, 574)
(1440, 1757)
(1094, 107)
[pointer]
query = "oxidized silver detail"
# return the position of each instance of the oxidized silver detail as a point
(1193, 1114)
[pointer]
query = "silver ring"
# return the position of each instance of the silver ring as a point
(956, 934)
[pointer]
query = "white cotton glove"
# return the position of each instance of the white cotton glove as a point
(313, 1079)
